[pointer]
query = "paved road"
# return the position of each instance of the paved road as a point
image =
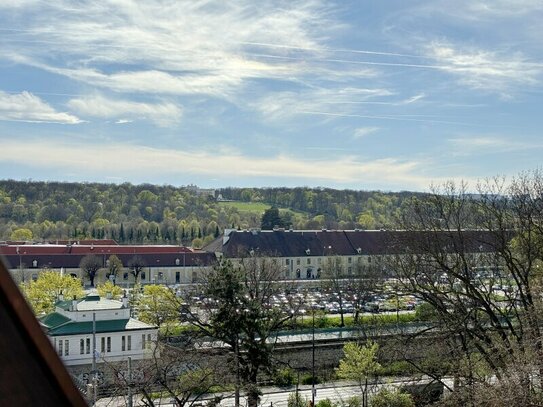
(276, 397)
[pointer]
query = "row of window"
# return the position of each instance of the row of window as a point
(319, 260)
(309, 274)
(63, 345)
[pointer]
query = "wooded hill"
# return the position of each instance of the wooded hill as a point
(178, 215)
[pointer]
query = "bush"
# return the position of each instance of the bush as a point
(391, 398)
(354, 401)
(398, 368)
(325, 403)
(296, 400)
(308, 379)
(285, 377)
(425, 312)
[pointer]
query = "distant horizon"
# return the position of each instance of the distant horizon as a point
(119, 183)
(382, 96)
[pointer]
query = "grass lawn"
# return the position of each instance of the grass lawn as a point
(259, 208)
(247, 206)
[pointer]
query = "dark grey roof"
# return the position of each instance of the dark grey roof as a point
(285, 243)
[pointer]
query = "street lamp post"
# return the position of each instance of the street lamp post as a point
(94, 371)
(313, 362)
(236, 402)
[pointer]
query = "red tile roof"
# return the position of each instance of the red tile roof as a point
(69, 256)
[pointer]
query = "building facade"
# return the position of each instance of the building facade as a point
(103, 327)
(162, 264)
(305, 254)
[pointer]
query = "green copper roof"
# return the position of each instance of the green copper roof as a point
(54, 320)
(65, 305)
(115, 325)
(89, 303)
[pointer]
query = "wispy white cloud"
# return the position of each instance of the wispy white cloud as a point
(488, 144)
(394, 118)
(29, 108)
(364, 131)
(283, 105)
(164, 114)
(413, 99)
(479, 9)
(163, 47)
(97, 159)
(486, 70)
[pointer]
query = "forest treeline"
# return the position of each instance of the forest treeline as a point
(31, 210)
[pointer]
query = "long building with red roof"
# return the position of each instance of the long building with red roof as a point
(165, 264)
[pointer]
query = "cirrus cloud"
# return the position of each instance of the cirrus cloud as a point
(26, 107)
(96, 159)
(163, 114)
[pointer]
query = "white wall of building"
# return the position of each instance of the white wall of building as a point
(77, 349)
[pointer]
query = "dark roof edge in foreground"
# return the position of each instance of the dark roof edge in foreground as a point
(36, 342)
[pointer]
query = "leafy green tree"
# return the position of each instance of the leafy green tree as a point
(237, 313)
(391, 398)
(360, 365)
(325, 403)
(271, 218)
(44, 292)
(108, 287)
(117, 210)
(90, 264)
(426, 312)
(158, 305)
(366, 220)
(114, 265)
(197, 243)
(21, 234)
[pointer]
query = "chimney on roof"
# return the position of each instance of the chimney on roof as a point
(109, 296)
(125, 299)
(74, 304)
(60, 296)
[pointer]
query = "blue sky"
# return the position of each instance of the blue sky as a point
(390, 95)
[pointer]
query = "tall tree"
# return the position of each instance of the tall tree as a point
(334, 279)
(24, 234)
(121, 234)
(158, 305)
(485, 287)
(45, 291)
(271, 218)
(114, 265)
(108, 288)
(90, 264)
(136, 265)
(360, 365)
(238, 314)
